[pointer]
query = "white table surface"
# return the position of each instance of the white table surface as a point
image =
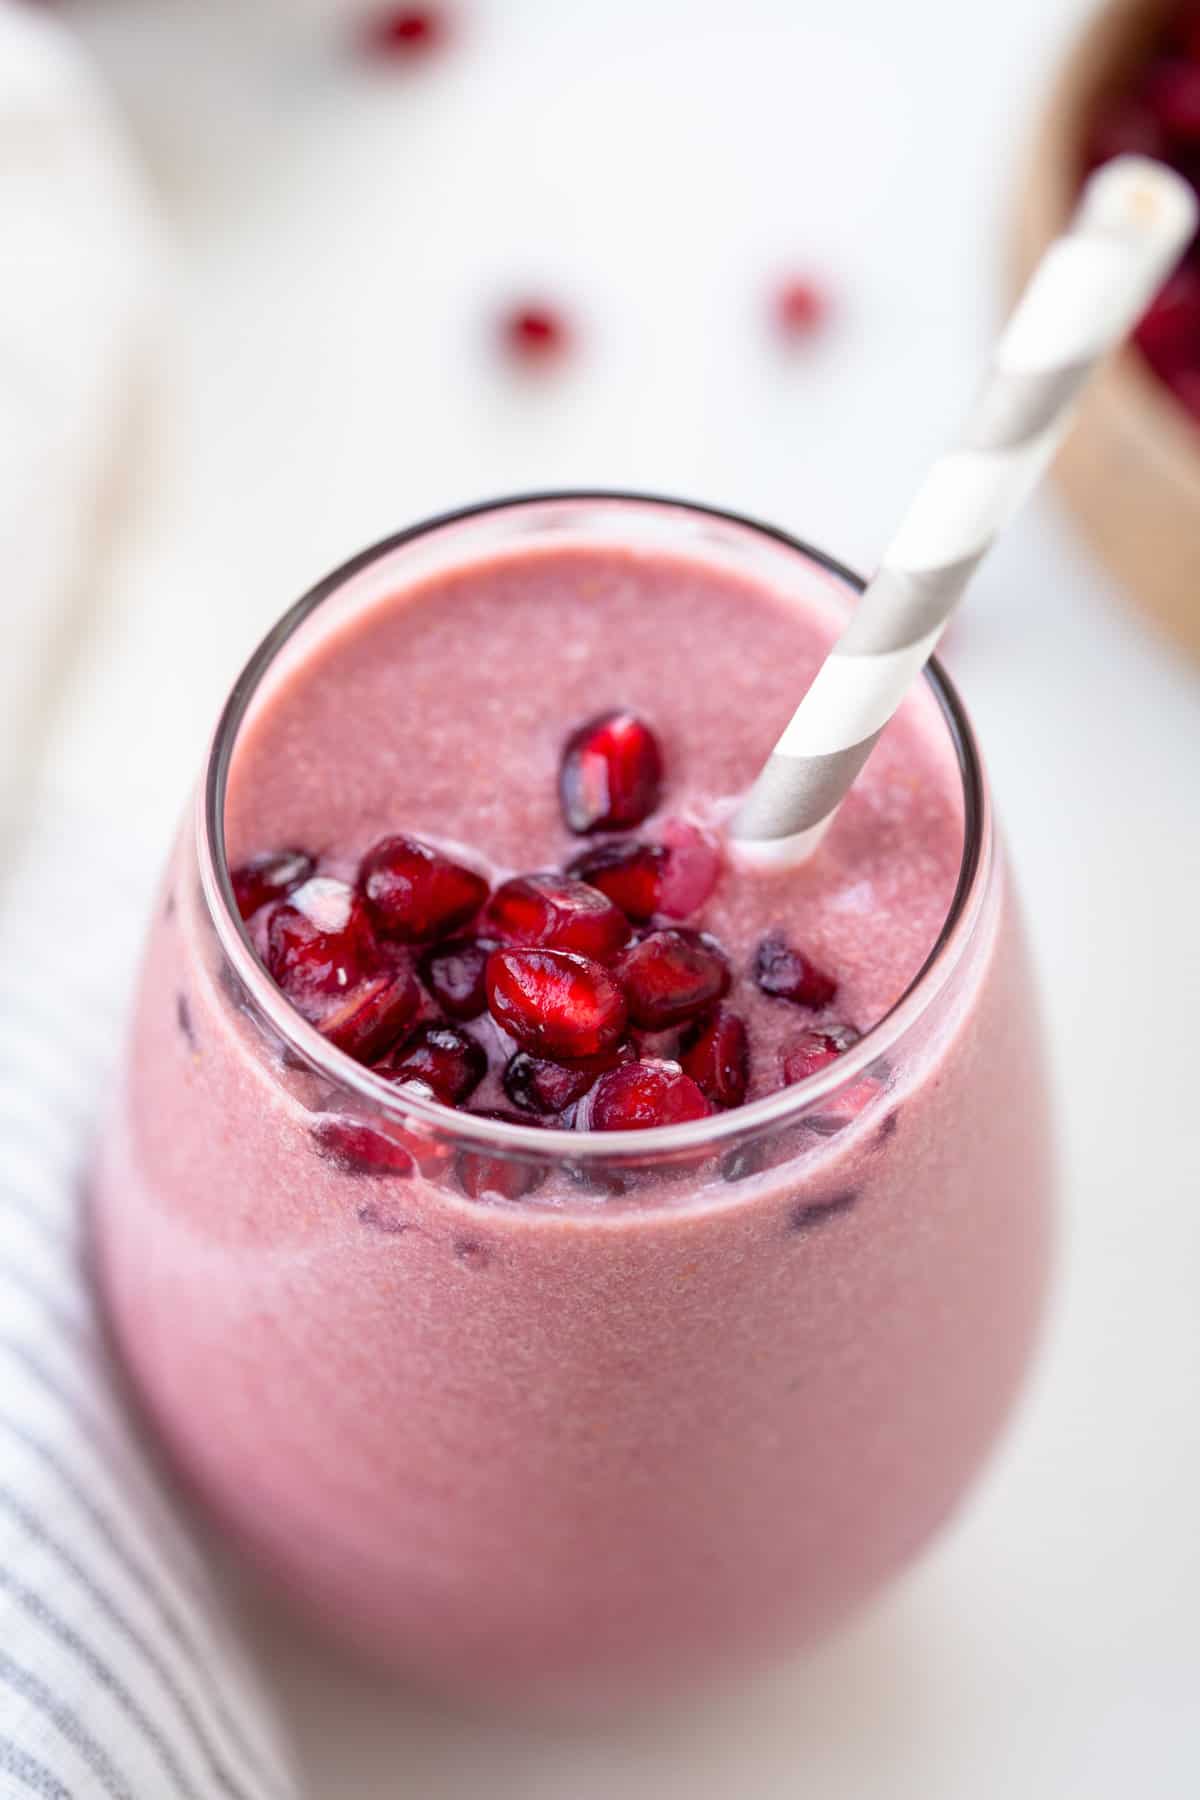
(325, 376)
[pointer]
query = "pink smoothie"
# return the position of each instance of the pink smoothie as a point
(616, 1432)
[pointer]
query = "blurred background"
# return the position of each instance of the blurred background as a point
(308, 277)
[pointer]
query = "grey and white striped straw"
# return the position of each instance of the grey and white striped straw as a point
(1133, 221)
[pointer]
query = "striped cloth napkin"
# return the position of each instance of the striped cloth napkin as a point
(120, 1675)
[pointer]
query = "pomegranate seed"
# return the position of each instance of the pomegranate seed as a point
(1169, 334)
(787, 974)
(454, 974)
(610, 774)
(694, 863)
(535, 1085)
(671, 975)
(640, 1095)
(814, 1050)
(358, 1149)
(534, 333)
(320, 941)
(716, 1054)
(674, 878)
(557, 913)
(404, 32)
(414, 892)
(1128, 126)
(1173, 91)
(368, 1019)
(844, 1107)
(485, 1172)
(538, 1085)
(450, 1062)
(799, 308)
(555, 1003)
(629, 873)
(269, 877)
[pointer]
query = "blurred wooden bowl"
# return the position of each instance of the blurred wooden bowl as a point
(1130, 468)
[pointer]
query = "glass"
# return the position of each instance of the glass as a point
(683, 1397)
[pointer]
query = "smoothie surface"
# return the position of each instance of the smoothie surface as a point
(442, 713)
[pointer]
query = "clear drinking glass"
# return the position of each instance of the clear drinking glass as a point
(662, 1404)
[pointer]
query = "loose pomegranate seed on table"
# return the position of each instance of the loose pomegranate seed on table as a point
(671, 975)
(787, 974)
(640, 1095)
(454, 972)
(448, 1060)
(404, 33)
(716, 1054)
(799, 308)
(610, 774)
(269, 877)
(534, 333)
(415, 892)
(556, 912)
(320, 941)
(555, 1003)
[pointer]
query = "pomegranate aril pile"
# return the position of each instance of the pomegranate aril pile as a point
(1156, 112)
(580, 992)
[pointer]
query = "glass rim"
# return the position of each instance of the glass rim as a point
(546, 1143)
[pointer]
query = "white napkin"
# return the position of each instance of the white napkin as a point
(75, 300)
(119, 1676)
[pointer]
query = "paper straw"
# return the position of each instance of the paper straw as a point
(1134, 219)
